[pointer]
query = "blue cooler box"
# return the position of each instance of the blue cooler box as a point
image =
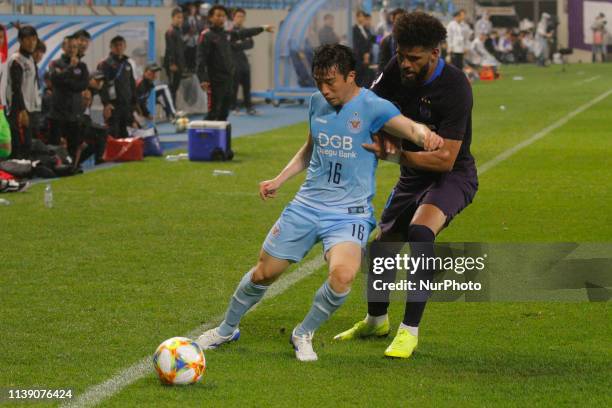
(209, 140)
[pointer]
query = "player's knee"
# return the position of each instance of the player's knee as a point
(264, 273)
(341, 278)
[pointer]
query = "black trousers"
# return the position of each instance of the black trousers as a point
(174, 81)
(457, 60)
(21, 138)
(242, 79)
(220, 97)
(119, 121)
(69, 130)
(190, 58)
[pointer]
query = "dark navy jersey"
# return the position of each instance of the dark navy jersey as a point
(444, 104)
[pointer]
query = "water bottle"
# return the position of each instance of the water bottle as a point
(223, 173)
(48, 196)
(4, 202)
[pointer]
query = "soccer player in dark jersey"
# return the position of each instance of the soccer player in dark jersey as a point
(434, 186)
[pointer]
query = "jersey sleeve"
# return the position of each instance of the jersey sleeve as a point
(457, 111)
(381, 112)
(311, 108)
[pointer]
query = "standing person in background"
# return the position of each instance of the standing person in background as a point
(215, 66)
(243, 68)
(192, 27)
(23, 92)
(69, 78)
(388, 45)
(119, 91)
(455, 39)
(543, 34)
(3, 60)
(36, 115)
(83, 39)
(483, 25)
(599, 37)
(174, 60)
(327, 35)
(362, 47)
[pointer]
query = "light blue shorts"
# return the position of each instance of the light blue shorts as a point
(299, 228)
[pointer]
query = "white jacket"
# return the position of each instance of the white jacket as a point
(454, 37)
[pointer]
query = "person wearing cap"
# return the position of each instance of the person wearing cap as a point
(69, 77)
(23, 92)
(119, 91)
(162, 93)
(174, 59)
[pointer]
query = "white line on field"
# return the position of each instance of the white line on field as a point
(108, 388)
(525, 143)
(96, 394)
(584, 81)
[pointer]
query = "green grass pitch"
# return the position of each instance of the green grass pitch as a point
(145, 251)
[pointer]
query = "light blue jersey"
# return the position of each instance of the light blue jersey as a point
(340, 176)
(334, 205)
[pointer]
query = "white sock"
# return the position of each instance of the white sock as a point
(376, 320)
(411, 329)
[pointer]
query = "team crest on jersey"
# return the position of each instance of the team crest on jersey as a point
(354, 124)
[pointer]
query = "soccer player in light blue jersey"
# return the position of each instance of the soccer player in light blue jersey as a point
(334, 205)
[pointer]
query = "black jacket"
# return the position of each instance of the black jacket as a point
(118, 71)
(362, 44)
(215, 61)
(239, 45)
(68, 83)
(143, 91)
(175, 49)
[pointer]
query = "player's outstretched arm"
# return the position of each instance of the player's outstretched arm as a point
(389, 148)
(299, 162)
(419, 134)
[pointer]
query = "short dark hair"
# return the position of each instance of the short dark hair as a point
(397, 11)
(117, 39)
(41, 46)
(328, 16)
(176, 11)
(239, 10)
(360, 13)
(336, 56)
(418, 29)
(26, 31)
(82, 33)
(216, 7)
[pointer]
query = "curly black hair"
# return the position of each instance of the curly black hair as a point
(331, 56)
(418, 29)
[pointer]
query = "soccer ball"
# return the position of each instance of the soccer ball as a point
(179, 360)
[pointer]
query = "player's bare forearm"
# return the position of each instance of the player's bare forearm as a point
(298, 163)
(404, 128)
(441, 160)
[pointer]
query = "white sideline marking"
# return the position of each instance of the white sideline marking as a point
(108, 388)
(525, 143)
(584, 81)
(96, 394)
